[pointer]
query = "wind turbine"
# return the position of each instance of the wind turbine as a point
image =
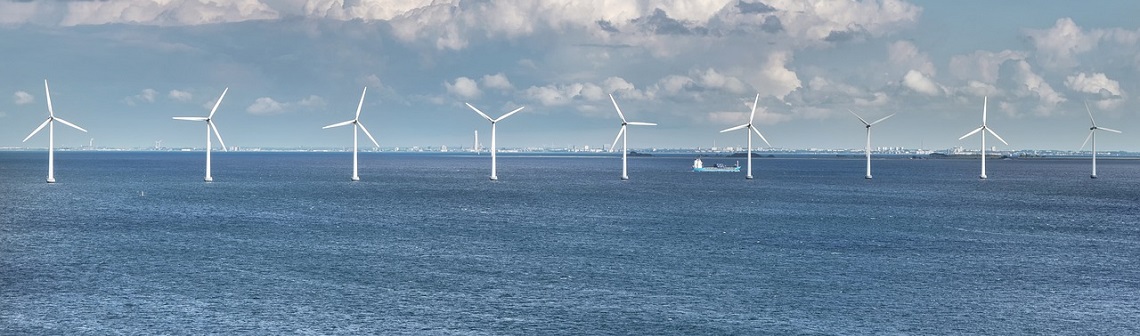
(50, 123)
(209, 126)
(624, 137)
(750, 130)
(356, 125)
(493, 122)
(868, 148)
(1092, 135)
(985, 102)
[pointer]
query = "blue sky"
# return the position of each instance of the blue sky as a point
(121, 69)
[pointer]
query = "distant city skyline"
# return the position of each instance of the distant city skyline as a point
(123, 68)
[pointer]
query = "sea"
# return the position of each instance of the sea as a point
(135, 243)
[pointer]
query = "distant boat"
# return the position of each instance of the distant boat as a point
(699, 167)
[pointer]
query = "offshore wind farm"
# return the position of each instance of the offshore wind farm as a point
(420, 239)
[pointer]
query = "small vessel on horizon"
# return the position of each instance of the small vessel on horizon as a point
(699, 167)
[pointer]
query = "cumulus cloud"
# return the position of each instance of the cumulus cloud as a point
(23, 98)
(982, 66)
(463, 87)
(1058, 47)
(146, 96)
(165, 13)
(1030, 84)
(775, 79)
(180, 96)
(1096, 83)
(451, 24)
(1107, 91)
(497, 81)
(905, 55)
(269, 106)
(562, 94)
(265, 106)
(920, 83)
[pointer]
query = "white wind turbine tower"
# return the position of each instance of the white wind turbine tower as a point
(493, 122)
(985, 102)
(868, 148)
(624, 137)
(50, 123)
(356, 125)
(1092, 135)
(750, 130)
(210, 127)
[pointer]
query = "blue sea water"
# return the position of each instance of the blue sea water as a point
(284, 243)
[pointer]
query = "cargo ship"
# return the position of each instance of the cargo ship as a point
(699, 166)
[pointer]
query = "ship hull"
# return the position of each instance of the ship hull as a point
(717, 170)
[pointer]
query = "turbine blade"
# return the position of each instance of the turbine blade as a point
(620, 115)
(37, 129)
(368, 134)
(996, 136)
(191, 118)
(480, 112)
(734, 128)
(1109, 129)
(509, 114)
(1086, 141)
(358, 106)
(47, 92)
(976, 130)
(641, 123)
(880, 120)
(761, 136)
(70, 124)
(1090, 113)
(620, 132)
(860, 118)
(219, 135)
(339, 124)
(985, 103)
(215, 109)
(754, 104)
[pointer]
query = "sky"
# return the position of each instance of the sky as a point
(122, 68)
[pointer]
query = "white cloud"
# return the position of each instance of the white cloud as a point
(552, 95)
(774, 78)
(1108, 91)
(147, 95)
(1096, 83)
(982, 66)
(905, 55)
(372, 80)
(180, 96)
(1032, 84)
(918, 82)
(562, 94)
(165, 12)
(497, 81)
(712, 79)
(463, 87)
(451, 24)
(265, 106)
(1058, 46)
(22, 98)
(312, 101)
(269, 106)
(16, 12)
